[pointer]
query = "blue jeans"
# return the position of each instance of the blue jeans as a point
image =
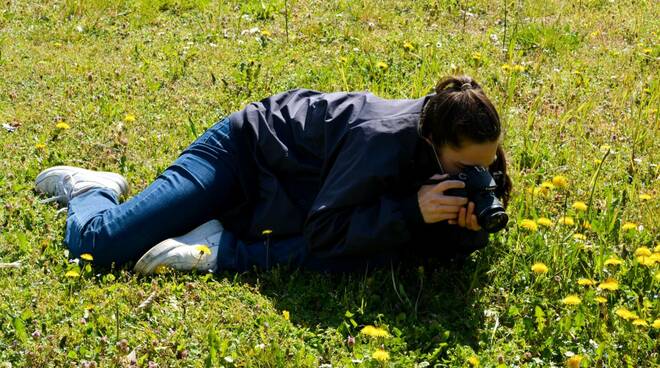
(197, 187)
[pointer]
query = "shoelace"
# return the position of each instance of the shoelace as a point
(66, 192)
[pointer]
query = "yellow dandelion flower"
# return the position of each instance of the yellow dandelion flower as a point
(639, 322)
(529, 225)
(647, 261)
(473, 361)
(203, 249)
(265, 33)
(129, 118)
(40, 146)
(613, 261)
(647, 50)
(541, 191)
(286, 315)
(586, 282)
(643, 252)
(594, 34)
(408, 46)
(381, 355)
(544, 221)
(547, 185)
(586, 225)
(539, 268)
(605, 147)
(506, 68)
(656, 323)
(560, 181)
(600, 299)
(476, 56)
(578, 236)
(609, 284)
(597, 161)
(518, 68)
(574, 361)
(373, 331)
(645, 197)
(629, 226)
(62, 126)
(572, 300)
(625, 313)
(580, 206)
(382, 65)
(72, 273)
(567, 220)
(87, 257)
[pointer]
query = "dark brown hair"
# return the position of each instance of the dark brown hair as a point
(460, 113)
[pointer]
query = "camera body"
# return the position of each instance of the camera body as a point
(480, 188)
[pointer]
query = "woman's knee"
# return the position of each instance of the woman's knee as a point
(98, 239)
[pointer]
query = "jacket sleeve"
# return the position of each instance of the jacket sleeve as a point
(355, 212)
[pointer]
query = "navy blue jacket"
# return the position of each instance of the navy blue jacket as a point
(341, 168)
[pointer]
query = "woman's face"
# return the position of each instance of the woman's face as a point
(453, 160)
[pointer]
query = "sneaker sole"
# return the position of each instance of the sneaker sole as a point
(157, 254)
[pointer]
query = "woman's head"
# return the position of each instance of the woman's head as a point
(464, 127)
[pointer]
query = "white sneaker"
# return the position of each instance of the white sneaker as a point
(196, 250)
(65, 182)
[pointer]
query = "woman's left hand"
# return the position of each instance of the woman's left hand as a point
(467, 218)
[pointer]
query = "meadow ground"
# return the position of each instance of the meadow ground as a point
(125, 85)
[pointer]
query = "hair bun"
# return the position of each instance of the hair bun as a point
(456, 84)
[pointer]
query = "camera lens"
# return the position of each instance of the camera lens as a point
(492, 217)
(495, 221)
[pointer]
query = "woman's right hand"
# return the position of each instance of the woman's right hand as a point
(435, 206)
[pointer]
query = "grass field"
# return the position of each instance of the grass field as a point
(124, 86)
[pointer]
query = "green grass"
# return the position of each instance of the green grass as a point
(572, 80)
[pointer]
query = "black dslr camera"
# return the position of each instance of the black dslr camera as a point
(480, 188)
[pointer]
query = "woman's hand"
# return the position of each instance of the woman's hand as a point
(435, 206)
(467, 218)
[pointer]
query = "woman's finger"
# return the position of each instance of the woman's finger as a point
(470, 211)
(475, 223)
(447, 209)
(439, 176)
(445, 216)
(450, 200)
(461, 217)
(448, 184)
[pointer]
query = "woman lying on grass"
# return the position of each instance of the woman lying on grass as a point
(324, 181)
